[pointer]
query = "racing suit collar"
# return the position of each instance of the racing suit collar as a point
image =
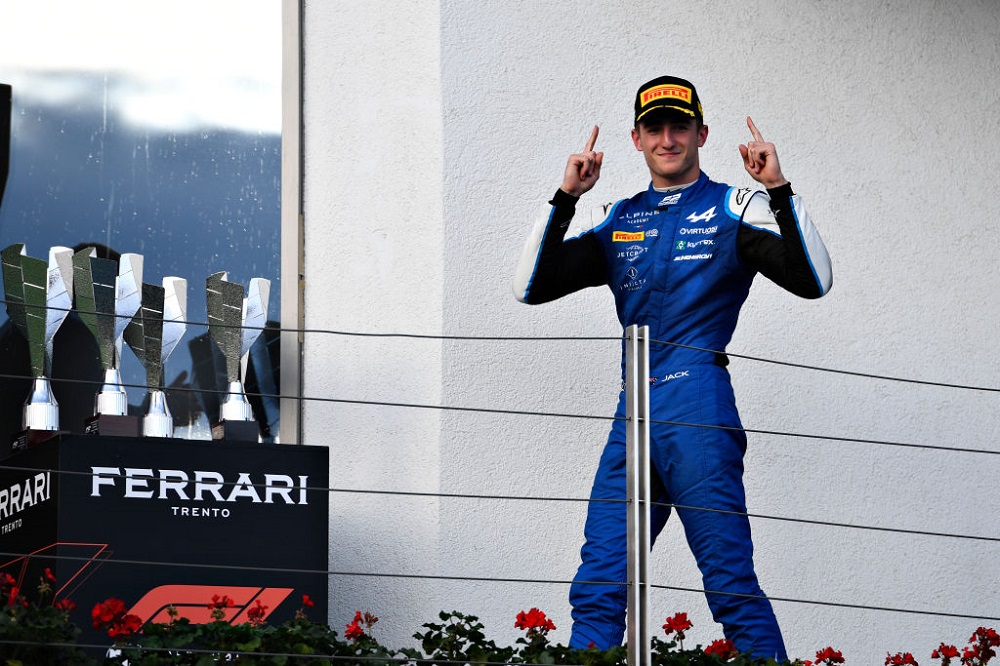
(659, 198)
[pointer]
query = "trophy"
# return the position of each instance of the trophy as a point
(152, 334)
(6, 97)
(39, 297)
(234, 323)
(107, 297)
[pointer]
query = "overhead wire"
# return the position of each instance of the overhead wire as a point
(527, 498)
(510, 338)
(833, 604)
(231, 654)
(852, 373)
(526, 412)
(599, 417)
(501, 579)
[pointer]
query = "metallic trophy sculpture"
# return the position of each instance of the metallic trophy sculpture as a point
(39, 298)
(234, 324)
(153, 334)
(107, 297)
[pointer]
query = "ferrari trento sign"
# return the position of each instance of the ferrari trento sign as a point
(197, 485)
(164, 523)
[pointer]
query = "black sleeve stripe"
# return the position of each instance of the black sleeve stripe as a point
(796, 258)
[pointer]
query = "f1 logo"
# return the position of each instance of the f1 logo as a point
(192, 602)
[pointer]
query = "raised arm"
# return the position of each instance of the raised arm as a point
(777, 237)
(551, 267)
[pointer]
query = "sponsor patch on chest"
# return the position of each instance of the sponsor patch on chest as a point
(631, 253)
(632, 281)
(628, 236)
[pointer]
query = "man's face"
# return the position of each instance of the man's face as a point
(670, 145)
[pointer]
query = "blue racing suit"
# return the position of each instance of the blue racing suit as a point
(680, 261)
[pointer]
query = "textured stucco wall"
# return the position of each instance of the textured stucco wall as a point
(373, 235)
(433, 132)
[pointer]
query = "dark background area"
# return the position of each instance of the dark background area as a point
(192, 203)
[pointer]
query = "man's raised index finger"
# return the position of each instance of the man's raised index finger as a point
(592, 141)
(754, 130)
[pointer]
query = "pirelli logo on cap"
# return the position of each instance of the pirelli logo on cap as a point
(628, 236)
(666, 91)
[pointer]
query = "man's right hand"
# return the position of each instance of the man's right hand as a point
(583, 169)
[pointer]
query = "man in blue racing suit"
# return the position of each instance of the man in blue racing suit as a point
(679, 258)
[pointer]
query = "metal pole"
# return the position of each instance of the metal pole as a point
(292, 224)
(637, 493)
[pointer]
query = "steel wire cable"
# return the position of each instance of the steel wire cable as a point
(402, 661)
(349, 401)
(852, 373)
(326, 331)
(498, 579)
(833, 604)
(521, 412)
(538, 498)
(831, 438)
(827, 523)
(562, 415)
(502, 338)
(670, 505)
(295, 570)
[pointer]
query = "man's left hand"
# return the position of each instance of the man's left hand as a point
(761, 159)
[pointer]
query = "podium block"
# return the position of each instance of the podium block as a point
(168, 522)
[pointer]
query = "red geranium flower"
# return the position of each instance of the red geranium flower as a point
(829, 656)
(300, 614)
(984, 635)
(970, 655)
(945, 652)
(107, 612)
(128, 625)
(65, 605)
(219, 605)
(535, 622)
(221, 602)
(981, 650)
(356, 628)
(722, 648)
(533, 619)
(256, 614)
(111, 616)
(900, 659)
(678, 623)
(353, 630)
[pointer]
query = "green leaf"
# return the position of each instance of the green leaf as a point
(250, 645)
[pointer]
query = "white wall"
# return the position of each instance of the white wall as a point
(432, 132)
(373, 199)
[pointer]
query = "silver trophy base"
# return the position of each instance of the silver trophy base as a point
(41, 411)
(158, 422)
(235, 407)
(111, 400)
